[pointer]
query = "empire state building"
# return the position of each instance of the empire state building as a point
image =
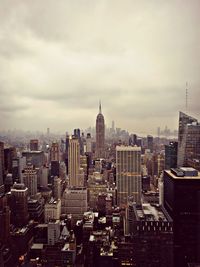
(100, 134)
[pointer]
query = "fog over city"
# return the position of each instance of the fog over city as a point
(59, 58)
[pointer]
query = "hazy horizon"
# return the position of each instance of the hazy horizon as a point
(59, 58)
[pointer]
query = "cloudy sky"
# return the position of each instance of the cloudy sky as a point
(59, 57)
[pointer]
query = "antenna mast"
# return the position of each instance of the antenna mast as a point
(186, 97)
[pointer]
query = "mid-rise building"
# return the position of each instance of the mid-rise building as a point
(52, 210)
(128, 174)
(74, 202)
(53, 232)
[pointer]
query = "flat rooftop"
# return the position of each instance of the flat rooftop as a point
(150, 212)
(184, 176)
(128, 148)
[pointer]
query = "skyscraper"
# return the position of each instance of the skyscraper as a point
(188, 140)
(100, 134)
(182, 202)
(74, 162)
(128, 174)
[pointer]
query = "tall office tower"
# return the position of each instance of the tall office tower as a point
(54, 154)
(30, 179)
(1, 166)
(67, 151)
(19, 204)
(182, 202)
(9, 154)
(171, 151)
(188, 140)
(34, 145)
(150, 142)
(100, 134)
(88, 143)
(74, 162)
(128, 174)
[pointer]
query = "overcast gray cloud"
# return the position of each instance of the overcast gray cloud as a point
(58, 58)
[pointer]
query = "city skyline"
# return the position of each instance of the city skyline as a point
(57, 59)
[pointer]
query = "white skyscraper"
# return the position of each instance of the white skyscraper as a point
(128, 174)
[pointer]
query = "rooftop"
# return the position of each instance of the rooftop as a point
(184, 173)
(150, 212)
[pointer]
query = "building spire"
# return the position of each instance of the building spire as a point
(100, 107)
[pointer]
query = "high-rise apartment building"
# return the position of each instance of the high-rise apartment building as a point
(74, 162)
(182, 202)
(30, 179)
(100, 135)
(128, 174)
(188, 140)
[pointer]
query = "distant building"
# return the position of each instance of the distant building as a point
(182, 202)
(34, 145)
(100, 135)
(150, 143)
(36, 158)
(54, 152)
(171, 151)
(128, 174)
(30, 178)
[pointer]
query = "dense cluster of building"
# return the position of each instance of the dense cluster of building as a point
(89, 201)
